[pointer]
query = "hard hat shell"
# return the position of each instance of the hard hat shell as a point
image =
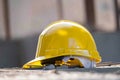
(65, 38)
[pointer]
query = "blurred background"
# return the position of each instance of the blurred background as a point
(21, 22)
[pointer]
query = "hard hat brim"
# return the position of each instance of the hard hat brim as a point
(35, 63)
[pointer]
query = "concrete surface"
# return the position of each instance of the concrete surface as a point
(99, 73)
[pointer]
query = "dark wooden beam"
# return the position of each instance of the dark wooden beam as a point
(6, 18)
(117, 14)
(90, 13)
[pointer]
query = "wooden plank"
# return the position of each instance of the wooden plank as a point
(105, 15)
(29, 17)
(108, 64)
(74, 10)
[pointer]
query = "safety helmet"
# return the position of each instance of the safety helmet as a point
(64, 38)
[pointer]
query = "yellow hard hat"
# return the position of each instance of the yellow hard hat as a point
(64, 38)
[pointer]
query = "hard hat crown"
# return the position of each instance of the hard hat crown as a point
(65, 38)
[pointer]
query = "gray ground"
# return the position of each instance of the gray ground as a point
(111, 72)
